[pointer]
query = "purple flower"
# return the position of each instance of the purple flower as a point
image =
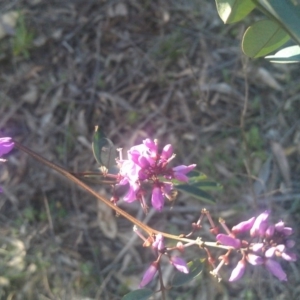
(152, 147)
(260, 224)
(238, 272)
(6, 145)
(275, 268)
(257, 247)
(167, 152)
(157, 199)
(146, 164)
(159, 242)
(254, 260)
(179, 264)
(270, 231)
(243, 226)
(149, 275)
(228, 240)
(288, 256)
(181, 171)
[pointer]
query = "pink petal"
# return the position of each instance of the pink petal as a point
(179, 264)
(260, 224)
(6, 145)
(238, 272)
(149, 275)
(167, 152)
(228, 240)
(275, 268)
(243, 226)
(157, 199)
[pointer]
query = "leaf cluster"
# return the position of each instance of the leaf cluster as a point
(269, 34)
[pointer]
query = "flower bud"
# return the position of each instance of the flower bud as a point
(228, 241)
(243, 226)
(149, 274)
(6, 145)
(260, 224)
(238, 272)
(159, 242)
(167, 152)
(275, 268)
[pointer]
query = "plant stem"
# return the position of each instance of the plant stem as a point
(150, 231)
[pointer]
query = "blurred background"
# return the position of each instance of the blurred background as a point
(163, 69)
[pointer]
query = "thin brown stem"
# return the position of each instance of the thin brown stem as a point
(150, 231)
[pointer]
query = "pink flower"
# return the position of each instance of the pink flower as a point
(146, 164)
(159, 242)
(179, 264)
(167, 152)
(238, 272)
(152, 147)
(228, 240)
(149, 275)
(181, 171)
(260, 224)
(254, 259)
(157, 199)
(243, 226)
(288, 256)
(275, 268)
(6, 145)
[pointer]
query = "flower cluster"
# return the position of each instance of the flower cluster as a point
(146, 163)
(266, 243)
(6, 145)
(160, 249)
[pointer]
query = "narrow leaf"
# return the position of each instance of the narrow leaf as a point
(195, 267)
(103, 149)
(195, 192)
(231, 11)
(142, 294)
(287, 55)
(262, 38)
(208, 185)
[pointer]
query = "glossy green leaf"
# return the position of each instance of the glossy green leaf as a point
(103, 149)
(195, 267)
(196, 192)
(286, 12)
(141, 294)
(231, 11)
(262, 38)
(287, 55)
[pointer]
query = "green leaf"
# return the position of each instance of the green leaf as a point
(195, 267)
(200, 180)
(287, 55)
(231, 11)
(262, 38)
(208, 185)
(141, 294)
(286, 12)
(195, 175)
(195, 192)
(103, 149)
